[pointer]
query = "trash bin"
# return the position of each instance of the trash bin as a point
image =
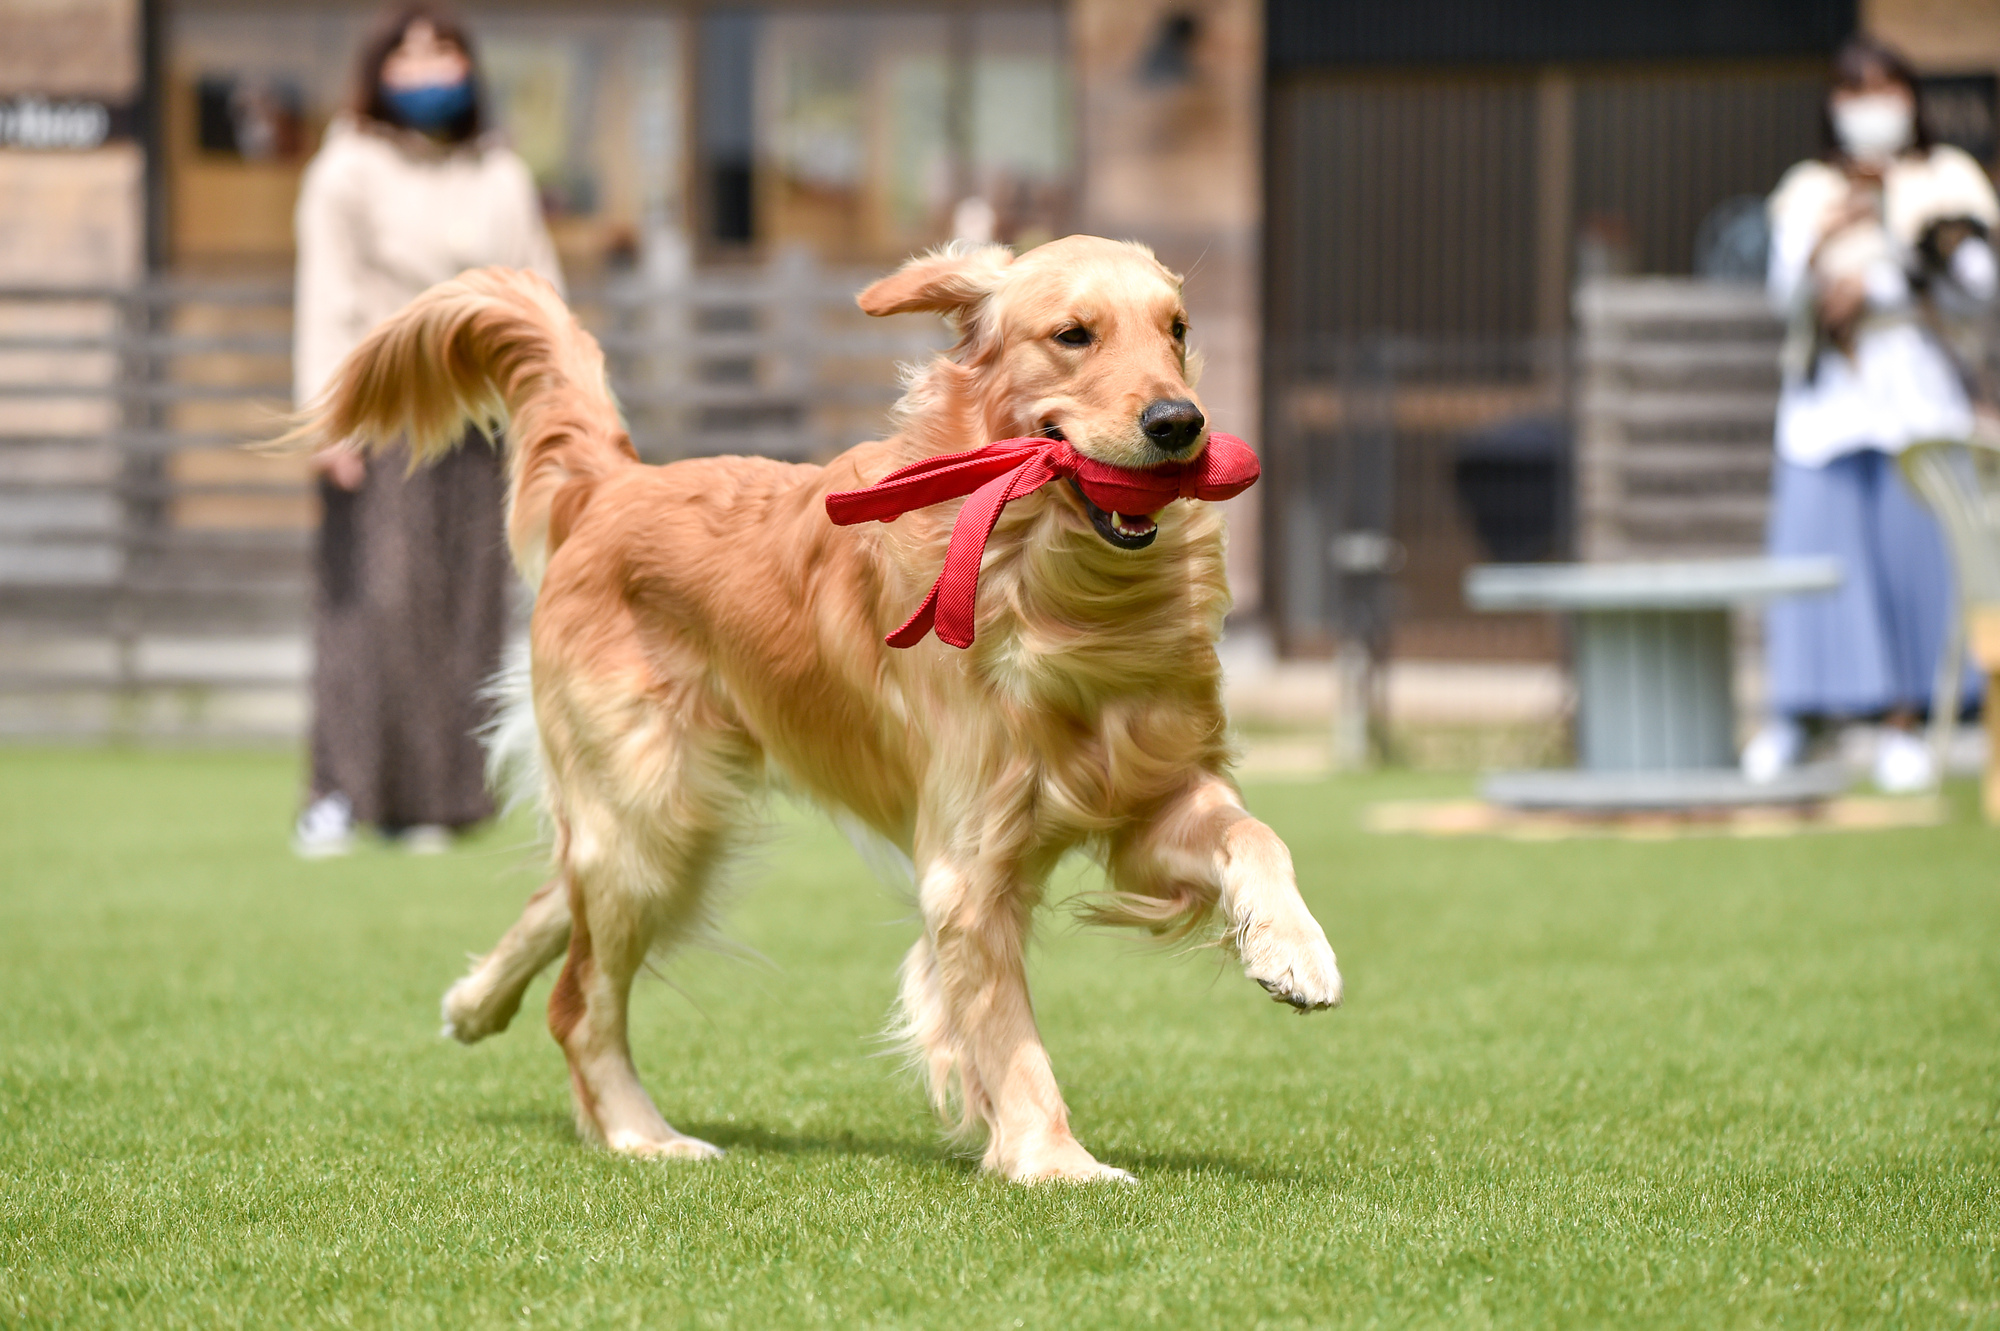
(1512, 478)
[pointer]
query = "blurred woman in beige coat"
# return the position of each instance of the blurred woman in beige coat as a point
(411, 609)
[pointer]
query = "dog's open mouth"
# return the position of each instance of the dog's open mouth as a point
(1127, 531)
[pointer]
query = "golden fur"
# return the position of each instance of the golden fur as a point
(702, 629)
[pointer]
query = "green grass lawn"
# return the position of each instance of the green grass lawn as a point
(1701, 1083)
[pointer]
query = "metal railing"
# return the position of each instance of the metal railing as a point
(1385, 454)
(154, 570)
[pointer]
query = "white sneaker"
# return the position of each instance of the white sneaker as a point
(1773, 751)
(325, 829)
(1903, 763)
(425, 839)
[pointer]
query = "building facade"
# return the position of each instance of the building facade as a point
(1382, 211)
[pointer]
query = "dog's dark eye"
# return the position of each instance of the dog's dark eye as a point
(1074, 337)
(1179, 329)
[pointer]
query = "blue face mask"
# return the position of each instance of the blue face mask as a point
(430, 107)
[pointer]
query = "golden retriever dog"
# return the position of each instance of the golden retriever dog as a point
(703, 632)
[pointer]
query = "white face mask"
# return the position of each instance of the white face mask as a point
(1874, 126)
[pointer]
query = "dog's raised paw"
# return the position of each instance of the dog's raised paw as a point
(1299, 969)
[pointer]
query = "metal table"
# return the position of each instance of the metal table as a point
(1656, 713)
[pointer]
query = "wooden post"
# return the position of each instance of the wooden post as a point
(1983, 636)
(1989, 787)
(1555, 199)
(668, 363)
(793, 312)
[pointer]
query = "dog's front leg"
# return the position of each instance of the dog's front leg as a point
(1204, 847)
(977, 921)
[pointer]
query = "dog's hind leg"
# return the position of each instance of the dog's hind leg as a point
(484, 1001)
(636, 889)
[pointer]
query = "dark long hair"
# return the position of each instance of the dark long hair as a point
(383, 39)
(1852, 63)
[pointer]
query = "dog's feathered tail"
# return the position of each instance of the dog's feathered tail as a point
(491, 347)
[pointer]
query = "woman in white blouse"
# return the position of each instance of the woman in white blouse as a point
(413, 581)
(1870, 248)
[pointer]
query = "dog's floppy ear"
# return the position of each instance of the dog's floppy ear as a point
(946, 281)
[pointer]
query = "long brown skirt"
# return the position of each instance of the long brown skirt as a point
(410, 615)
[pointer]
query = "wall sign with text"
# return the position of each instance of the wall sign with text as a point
(63, 124)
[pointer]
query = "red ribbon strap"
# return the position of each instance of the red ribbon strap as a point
(997, 474)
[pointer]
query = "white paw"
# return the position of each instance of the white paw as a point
(675, 1147)
(1292, 960)
(1061, 1162)
(1098, 1172)
(470, 1015)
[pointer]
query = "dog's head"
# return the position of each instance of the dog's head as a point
(1083, 339)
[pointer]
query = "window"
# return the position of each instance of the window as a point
(864, 136)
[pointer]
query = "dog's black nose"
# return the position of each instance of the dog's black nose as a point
(1173, 424)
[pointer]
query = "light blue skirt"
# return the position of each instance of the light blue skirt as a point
(1872, 646)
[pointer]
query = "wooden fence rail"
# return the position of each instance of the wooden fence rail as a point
(1677, 396)
(154, 571)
